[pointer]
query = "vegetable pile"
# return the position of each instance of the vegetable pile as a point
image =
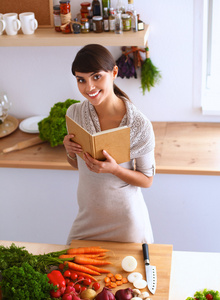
(53, 128)
(205, 295)
(69, 274)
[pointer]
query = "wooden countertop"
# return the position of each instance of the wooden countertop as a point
(181, 148)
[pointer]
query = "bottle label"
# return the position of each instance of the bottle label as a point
(112, 25)
(57, 20)
(106, 25)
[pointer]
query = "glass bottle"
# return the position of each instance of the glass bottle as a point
(134, 22)
(76, 26)
(96, 8)
(84, 9)
(57, 18)
(106, 3)
(106, 19)
(65, 14)
(112, 20)
(118, 23)
(130, 8)
(90, 15)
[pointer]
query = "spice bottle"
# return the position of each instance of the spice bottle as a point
(90, 18)
(65, 14)
(57, 18)
(84, 9)
(76, 26)
(118, 23)
(112, 20)
(96, 8)
(85, 25)
(106, 19)
(97, 24)
(126, 21)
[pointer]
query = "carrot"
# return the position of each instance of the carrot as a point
(84, 250)
(90, 261)
(81, 268)
(97, 269)
(124, 280)
(107, 279)
(110, 275)
(84, 255)
(84, 274)
(118, 276)
(113, 279)
(113, 285)
(119, 282)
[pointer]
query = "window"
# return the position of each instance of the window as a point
(210, 91)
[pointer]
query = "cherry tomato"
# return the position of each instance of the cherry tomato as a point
(209, 297)
(70, 283)
(61, 266)
(77, 288)
(67, 280)
(74, 276)
(56, 294)
(87, 281)
(83, 288)
(67, 273)
(80, 277)
(96, 286)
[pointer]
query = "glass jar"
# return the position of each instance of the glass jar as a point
(85, 25)
(57, 18)
(65, 14)
(126, 21)
(97, 24)
(84, 9)
(76, 26)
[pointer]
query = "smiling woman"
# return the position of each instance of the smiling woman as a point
(111, 204)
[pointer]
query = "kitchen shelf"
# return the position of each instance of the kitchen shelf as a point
(49, 37)
(181, 148)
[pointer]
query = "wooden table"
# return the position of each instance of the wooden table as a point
(181, 148)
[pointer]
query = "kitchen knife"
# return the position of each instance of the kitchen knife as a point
(151, 273)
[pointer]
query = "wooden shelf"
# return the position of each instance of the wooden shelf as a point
(181, 148)
(49, 37)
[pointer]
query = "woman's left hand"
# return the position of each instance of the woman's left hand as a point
(97, 166)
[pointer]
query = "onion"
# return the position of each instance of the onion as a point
(105, 294)
(124, 294)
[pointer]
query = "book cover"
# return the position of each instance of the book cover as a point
(115, 141)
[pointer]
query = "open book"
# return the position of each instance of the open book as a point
(115, 141)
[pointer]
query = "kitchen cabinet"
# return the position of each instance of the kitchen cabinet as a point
(49, 37)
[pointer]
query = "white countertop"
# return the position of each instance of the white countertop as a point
(190, 271)
(193, 271)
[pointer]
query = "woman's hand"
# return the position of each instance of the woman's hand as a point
(71, 148)
(107, 166)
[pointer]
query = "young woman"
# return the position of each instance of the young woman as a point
(111, 204)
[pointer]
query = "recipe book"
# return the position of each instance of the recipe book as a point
(115, 141)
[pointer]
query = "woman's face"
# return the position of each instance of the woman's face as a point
(96, 87)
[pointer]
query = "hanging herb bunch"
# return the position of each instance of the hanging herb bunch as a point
(150, 75)
(127, 67)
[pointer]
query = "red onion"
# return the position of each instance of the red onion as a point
(105, 294)
(124, 294)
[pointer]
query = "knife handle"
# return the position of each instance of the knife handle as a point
(146, 254)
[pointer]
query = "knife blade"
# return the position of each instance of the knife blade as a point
(151, 272)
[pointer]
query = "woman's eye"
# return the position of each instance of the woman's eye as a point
(80, 80)
(97, 76)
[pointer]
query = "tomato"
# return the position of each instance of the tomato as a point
(70, 283)
(77, 288)
(87, 281)
(74, 276)
(67, 280)
(80, 277)
(56, 294)
(83, 288)
(67, 273)
(96, 286)
(61, 266)
(209, 297)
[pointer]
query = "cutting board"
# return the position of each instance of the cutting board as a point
(160, 256)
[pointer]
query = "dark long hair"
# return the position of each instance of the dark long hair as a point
(96, 58)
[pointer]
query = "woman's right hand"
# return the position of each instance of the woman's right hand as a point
(71, 147)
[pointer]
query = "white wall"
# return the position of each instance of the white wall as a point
(39, 205)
